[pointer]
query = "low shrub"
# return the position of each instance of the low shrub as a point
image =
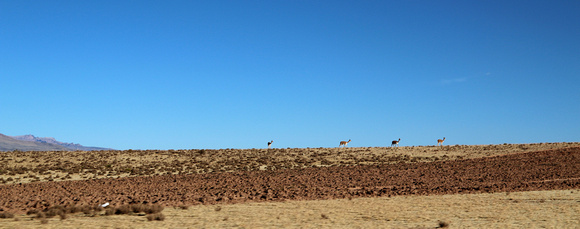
(54, 211)
(73, 209)
(6, 215)
(110, 211)
(136, 208)
(155, 208)
(31, 212)
(123, 209)
(156, 216)
(40, 215)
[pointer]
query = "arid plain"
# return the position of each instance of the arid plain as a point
(509, 185)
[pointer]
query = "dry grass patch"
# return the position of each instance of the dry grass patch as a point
(6, 215)
(537, 209)
(156, 216)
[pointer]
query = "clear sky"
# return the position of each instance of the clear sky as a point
(236, 74)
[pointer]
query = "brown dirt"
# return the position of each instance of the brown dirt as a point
(543, 170)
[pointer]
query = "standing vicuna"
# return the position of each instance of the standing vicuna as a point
(343, 143)
(395, 143)
(440, 141)
(270, 144)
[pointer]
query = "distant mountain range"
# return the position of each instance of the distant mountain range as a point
(33, 143)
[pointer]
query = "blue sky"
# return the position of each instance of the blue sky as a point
(236, 74)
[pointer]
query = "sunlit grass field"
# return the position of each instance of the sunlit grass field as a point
(535, 209)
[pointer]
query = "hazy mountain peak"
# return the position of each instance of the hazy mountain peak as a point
(41, 143)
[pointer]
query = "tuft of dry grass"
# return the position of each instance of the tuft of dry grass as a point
(54, 211)
(31, 212)
(6, 215)
(136, 208)
(152, 209)
(123, 209)
(87, 211)
(110, 211)
(40, 215)
(156, 216)
(73, 209)
(443, 224)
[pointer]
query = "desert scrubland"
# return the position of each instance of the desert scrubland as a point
(509, 185)
(37, 166)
